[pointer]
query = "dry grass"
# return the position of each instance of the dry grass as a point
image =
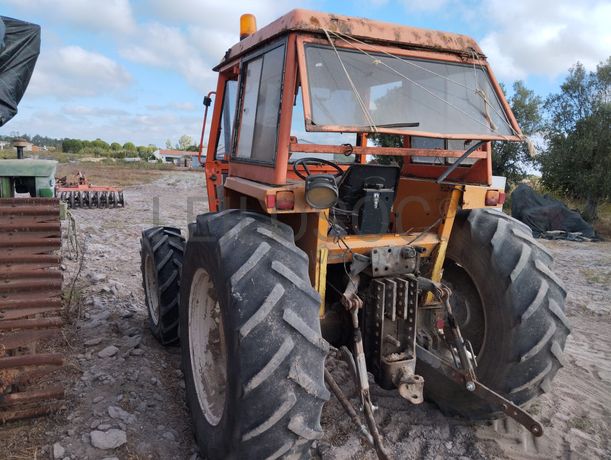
(119, 175)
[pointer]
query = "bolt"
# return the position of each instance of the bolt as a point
(470, 386)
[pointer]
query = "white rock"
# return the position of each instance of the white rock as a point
(108, 352)
(92, 342)
(98, 399)
(58, 451)
(117, 412)
(110, 439)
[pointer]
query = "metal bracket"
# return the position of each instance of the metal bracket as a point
(393, 260)
(482, 391)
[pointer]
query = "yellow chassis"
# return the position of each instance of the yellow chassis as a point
(424, 211)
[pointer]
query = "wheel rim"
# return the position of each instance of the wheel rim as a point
(207, 347)
(467, 305)
(150, 284)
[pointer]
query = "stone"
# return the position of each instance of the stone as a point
(58, 451)
(97, 277)
(137, 352)
(104, 426)
(98, 399)
(169, 436)
(94, 424)
(108, 352)
(110, 439)
(94, 341)
(118, 413)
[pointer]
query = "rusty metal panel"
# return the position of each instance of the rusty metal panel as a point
(30, 305)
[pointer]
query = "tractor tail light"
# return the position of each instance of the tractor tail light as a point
(270, 201)
(285, 200)
(494, 198)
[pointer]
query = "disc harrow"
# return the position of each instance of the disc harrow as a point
(82, 194)
(30, 306)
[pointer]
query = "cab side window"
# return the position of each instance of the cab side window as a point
(260, 107)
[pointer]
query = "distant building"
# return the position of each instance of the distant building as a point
(179, 157)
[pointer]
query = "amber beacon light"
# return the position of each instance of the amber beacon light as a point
(248, 25)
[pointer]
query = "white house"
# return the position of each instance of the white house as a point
(179, 157)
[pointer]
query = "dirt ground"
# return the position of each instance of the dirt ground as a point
(136, 394)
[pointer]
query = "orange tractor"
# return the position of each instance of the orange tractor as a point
(321, 239)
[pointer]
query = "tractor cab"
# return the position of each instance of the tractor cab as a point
(313, 85)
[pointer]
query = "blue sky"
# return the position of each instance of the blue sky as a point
(138, 69)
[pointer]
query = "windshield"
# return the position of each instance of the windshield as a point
(363, 91)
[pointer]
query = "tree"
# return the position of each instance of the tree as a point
(512, 159)
(115, 146)
(168, 144)
(577, 161)
(129, 146)
(184, 142)
(100, 144)
(72, 145)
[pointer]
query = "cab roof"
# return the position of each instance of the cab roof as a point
(300, 20)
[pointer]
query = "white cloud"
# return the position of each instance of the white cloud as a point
(191, 36)
(71, 71)
(546, 37)
(170, 48)
(101, 15)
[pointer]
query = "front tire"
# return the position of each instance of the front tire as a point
(161, 262)
(253, 355)
(510, 306)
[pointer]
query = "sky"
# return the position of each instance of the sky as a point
(137, 70)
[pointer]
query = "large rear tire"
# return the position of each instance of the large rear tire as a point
(161, 255)
(510, 306)
(252, 351)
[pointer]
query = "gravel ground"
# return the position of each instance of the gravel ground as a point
(125, 394)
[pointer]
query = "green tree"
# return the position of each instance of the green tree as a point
(577, 161)
(100, 144)
(512, 159)
(129, 146)
(168, 144)
(115, 146)
(72, 145)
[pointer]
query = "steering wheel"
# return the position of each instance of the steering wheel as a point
(304, 162)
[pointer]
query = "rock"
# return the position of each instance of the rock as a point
(110, 439)
(169, 436)
(117, 412)
(110, 458)
(97, 277)
(94, 424)
(154, 380)
(98, 399)
(133, 341)
(137, 352)
(108, 352)
(104, 426)
(58, 451)
(92, 342)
